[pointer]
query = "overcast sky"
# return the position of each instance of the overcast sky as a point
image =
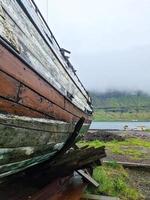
(109, 40)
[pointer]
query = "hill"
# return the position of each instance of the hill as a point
(118, 105)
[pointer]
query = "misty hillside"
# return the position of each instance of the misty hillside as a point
(120, 99)
(121, 106)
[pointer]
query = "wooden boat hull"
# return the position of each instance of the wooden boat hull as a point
(36, 81)
(28, 141)
(24, 92)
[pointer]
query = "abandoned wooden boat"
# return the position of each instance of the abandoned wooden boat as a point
(41, 97)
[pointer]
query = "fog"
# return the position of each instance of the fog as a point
(109, 40)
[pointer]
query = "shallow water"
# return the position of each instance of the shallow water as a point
(120, 125)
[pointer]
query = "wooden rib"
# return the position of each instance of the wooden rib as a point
(8, 86)
(10, 107)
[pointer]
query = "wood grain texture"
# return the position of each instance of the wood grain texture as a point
(12, 168)
(9, 107)
(20, 137)
(35, 47)
(14, 67)
(29, 98)
(43, 97)
(10, 155)
(8, 86)
(37, 123)
(22, 145)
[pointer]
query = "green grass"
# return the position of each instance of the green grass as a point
(127, 147)
(101, 115)
(119, 99)
(114, 181)
(147, 130)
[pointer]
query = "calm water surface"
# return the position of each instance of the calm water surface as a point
(119, 125)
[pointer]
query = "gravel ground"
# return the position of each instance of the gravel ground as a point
(141, 180)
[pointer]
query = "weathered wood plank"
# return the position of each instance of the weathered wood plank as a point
(73, 109)
(8, 86)
(10, 155)
(87, 177)
(12, 168)
(37, 123)
(47, 34)
(33, 49)
(67, 163)
(29, 98)
(8, 107)
(133, 165)
(11, 65)
(80, 156)
(42, 28)
(14, 67)
(22, 137)
(21, 147)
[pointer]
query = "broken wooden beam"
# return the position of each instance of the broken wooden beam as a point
(74, 160)
(133, 165)
(87, 177)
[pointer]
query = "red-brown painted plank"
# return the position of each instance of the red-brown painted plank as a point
(29, 98)
(10, 107)
(13, 66)
(9, 89)
(8, 86)
(73, 109)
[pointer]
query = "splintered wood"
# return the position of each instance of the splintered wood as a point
(74, 160)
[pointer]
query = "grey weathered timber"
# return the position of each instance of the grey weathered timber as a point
(37, 48)
(132, 165)
(9, 155)
(26, 141)
(54, 126)
(22, 137)
(12, 168)
(87, 177)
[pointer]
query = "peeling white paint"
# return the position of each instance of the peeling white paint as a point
(24, 36)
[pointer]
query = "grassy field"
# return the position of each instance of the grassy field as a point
(114, 181)
(100, 115)
(121, 106)
(118, 99)
(130, 147)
